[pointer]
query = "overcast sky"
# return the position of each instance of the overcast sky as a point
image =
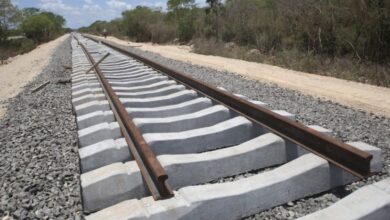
(80, 13)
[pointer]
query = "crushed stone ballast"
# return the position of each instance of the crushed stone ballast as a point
(195, 139)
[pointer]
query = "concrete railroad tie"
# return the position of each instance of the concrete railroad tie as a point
(197, 141)
(307, 175)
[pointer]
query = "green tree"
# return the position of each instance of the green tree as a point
(28, 12)
(96, 27)
(9, 14)
(38, 27)
(214, 9)
(137, 22)
(178, 4)
(43, 26)
(184, 16)
(9, 17)
(3, 34)
(57, 20)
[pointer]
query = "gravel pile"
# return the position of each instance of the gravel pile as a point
(39, 165)
(346, 123)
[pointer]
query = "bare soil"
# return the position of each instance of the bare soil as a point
(357, 95)
(23, 68)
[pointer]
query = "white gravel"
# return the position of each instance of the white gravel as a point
(39, 165)
(38, 141)
(348, 124)
(354, 94)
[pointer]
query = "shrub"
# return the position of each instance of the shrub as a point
(354, 36)
(162, 32)
(43, 27)
(38, 27)
(12, 48)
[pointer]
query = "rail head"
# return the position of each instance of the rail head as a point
(349, 158)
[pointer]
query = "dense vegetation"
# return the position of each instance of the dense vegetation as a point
(344, 38)
(30, 26)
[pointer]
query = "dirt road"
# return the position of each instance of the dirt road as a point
(23, 68)
(358, 95)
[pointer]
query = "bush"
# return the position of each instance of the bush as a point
(218, 48)
(14, 47)
(23, 45)
(138, 23)
(162, 32)
(354, 36)
(38, 27)
(43, 27)
(345, 68)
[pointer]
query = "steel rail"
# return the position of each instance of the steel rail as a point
(152, 172)
(351, 159)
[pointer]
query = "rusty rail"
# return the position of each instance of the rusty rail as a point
(336, 152)
(97, 63)
(152, 172)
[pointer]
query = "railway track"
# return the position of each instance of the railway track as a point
(157, 144)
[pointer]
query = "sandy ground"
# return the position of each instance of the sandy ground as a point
(23, 68)
(358, 95)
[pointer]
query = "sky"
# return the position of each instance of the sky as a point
(80, 13)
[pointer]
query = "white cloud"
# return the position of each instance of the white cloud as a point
(84, 14)
(87, 11)
(118, 5)
(55, 5)
(160, 5)
(90, 6)
(200, 3)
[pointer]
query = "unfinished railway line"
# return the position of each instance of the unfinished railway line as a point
(155, 143)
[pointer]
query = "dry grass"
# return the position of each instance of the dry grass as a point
(340, 67)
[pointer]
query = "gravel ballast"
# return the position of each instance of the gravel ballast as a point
(347, 124)
(39, 167)
(38, 148)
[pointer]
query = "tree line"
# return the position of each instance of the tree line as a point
(22, 29)
(351, 37)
